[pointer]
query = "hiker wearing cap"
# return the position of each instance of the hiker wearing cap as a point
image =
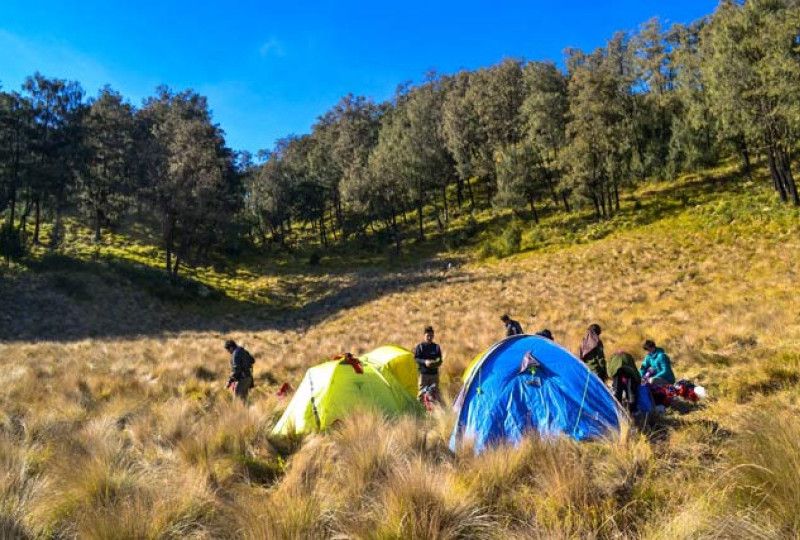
(657, 367)
(625, 379)
(513, 328)
(241, 378)
(428, 356)
(591, 352)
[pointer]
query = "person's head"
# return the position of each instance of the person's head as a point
(595, 328)
(230, 345)
(429, 334)
(505, 318)
(546, 334)
(649, 345)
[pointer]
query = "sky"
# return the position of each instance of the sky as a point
(271, 69)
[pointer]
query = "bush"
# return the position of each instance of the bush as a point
(508, 243)
(11, 245)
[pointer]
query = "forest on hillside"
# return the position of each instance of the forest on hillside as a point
(524, 135)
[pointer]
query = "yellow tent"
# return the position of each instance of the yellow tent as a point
(396, 360)
(331, 391)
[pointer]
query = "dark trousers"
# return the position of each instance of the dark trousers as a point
(427, 380)
(626, 389)
(242, 388)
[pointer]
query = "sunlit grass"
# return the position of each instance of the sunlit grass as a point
(138, 437)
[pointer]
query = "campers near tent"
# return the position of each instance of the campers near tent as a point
(529, 384)
(333, 390)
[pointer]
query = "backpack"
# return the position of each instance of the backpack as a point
(248, 361)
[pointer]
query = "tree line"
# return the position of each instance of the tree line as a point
(524, 135)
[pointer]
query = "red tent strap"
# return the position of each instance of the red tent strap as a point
(350, 360)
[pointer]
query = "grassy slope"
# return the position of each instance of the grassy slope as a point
(96, 433)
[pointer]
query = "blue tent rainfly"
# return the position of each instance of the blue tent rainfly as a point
(529, 384)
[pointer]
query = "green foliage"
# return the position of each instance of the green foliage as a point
(507, 243)
(11, 245)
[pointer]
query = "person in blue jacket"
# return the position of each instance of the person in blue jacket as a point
(657, 367)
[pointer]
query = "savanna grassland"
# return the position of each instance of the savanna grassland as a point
(117, 423)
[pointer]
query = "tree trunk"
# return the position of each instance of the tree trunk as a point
(471, 195)
(784, 162)
(745, 156)
(36, 218)
(97, 219)
(444, 201)
(596, 206)
(174, 275)
(459, 193)
(421, 233)
(616, 195)
(777, 182)
(533, 210)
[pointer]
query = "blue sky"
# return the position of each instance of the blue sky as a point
(270, 69)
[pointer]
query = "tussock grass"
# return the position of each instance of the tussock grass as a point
(137, 437)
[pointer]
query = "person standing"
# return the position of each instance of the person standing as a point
(657, 367)
(241, 378)
(428, 356)
(513, 328)
(592, 353)
(625, 380)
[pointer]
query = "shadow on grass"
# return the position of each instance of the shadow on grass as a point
(64, 298)
(61, 298)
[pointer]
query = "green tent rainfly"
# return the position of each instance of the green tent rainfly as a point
(331, 391)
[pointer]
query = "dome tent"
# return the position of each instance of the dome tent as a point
(396, 360)
(528, 384)
(330, 391)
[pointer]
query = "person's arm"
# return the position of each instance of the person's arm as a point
(237, 362)
(417, 357)
(438, 360)
(660, 363)
(645, 366)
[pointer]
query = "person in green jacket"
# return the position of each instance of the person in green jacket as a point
(591, 352)
(625, 380)
(657, 367)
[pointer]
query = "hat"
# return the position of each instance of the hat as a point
(649, 344)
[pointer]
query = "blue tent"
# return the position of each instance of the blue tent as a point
(531, 384)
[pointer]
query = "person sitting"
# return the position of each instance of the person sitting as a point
(513, 328)
(591, 352)
(657, 367)
(625, 380)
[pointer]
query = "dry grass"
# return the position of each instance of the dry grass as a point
(137, 438)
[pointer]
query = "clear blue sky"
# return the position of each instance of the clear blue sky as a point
(270, 69)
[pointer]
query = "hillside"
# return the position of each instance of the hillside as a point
(114, 404)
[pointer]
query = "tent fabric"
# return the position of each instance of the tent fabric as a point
(507, 395)
(396, 360)
(330, 391)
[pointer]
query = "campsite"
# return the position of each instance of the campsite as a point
(256, 286)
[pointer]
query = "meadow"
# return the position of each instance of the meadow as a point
(115, 422)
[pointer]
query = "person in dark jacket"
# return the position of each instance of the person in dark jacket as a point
(513, 328)
(241, 378)
(625, 379)
(428, 356)
(545, 334)
(591, 352)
